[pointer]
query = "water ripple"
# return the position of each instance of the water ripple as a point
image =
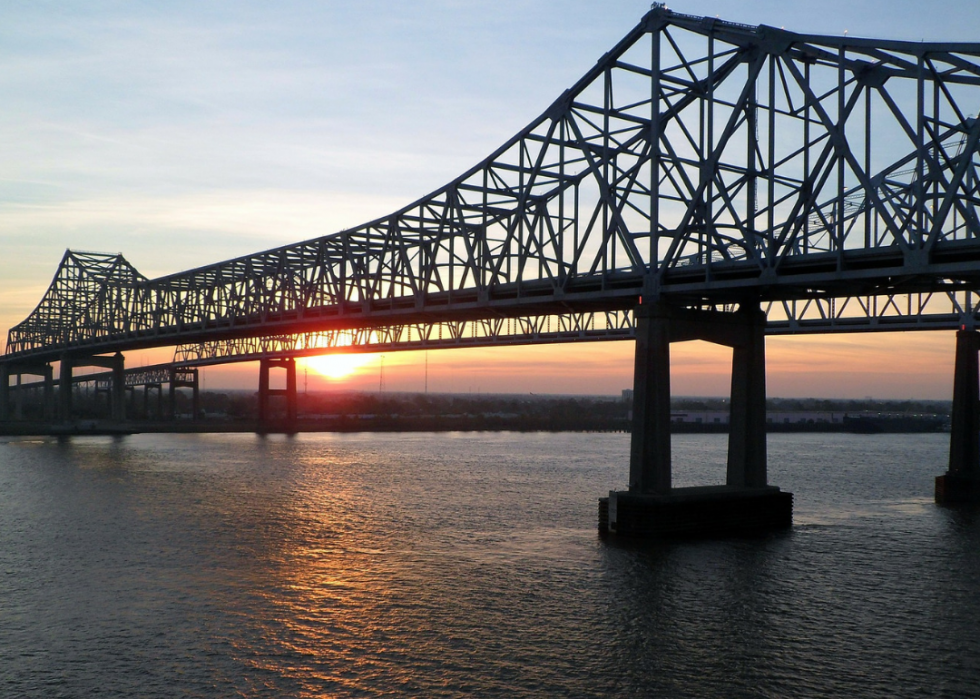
(468, 565)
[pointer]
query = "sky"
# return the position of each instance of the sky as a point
(183, 133)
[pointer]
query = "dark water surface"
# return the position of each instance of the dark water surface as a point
(468, 565)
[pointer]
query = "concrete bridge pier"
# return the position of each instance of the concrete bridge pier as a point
(4, 392)
(652, 507)
(49, 409)
(961, 483)
(172, 394)
(18, 370)
(184, 378)
(146, 400)
(131, 401)
(19, 398)
(65, 387)
(118, 400)
(266, 393)
(117, 391)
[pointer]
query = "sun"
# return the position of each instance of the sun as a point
(338, 366)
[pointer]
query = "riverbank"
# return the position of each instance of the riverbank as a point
(449, 423)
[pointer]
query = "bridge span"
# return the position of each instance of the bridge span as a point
(704, 180)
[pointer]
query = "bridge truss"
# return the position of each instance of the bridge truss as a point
(894, 312)
(832, 180)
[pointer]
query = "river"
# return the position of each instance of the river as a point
(467, 564)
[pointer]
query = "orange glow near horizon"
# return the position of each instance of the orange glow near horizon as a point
(885, 365)
(338, 366)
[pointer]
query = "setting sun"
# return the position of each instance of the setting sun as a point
(338, 366)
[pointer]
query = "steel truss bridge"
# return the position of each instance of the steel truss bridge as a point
(701, 165)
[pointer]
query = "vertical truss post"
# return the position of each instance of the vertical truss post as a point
(655, 164)
(961, 483)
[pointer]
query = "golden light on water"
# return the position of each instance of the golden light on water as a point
(339, 366)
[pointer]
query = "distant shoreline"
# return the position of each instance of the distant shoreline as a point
(347, 424)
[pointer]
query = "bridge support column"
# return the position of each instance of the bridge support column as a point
(652, 507)
(65, 387)
(263, 392)
(19, 398)
(747, 466)
(184, 378)
(266, 393)
(650, 442)
(4, 392)
(961, 483)
(118, 396)
(48, 409)
(172, 390)
(196, 396)
(24, 392)
(291, 412)
(158, 410)
(147, 389)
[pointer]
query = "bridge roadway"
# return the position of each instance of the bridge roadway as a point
(704, 179)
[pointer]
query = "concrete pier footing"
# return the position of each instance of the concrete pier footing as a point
(652, 507)
(952, 489)
(700, 511)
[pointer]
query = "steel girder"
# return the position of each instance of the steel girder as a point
(699, 161)
(525, 330)
(139, 376)
(91, 295)
(942, 310)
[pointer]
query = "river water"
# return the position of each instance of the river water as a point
(467, 564)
